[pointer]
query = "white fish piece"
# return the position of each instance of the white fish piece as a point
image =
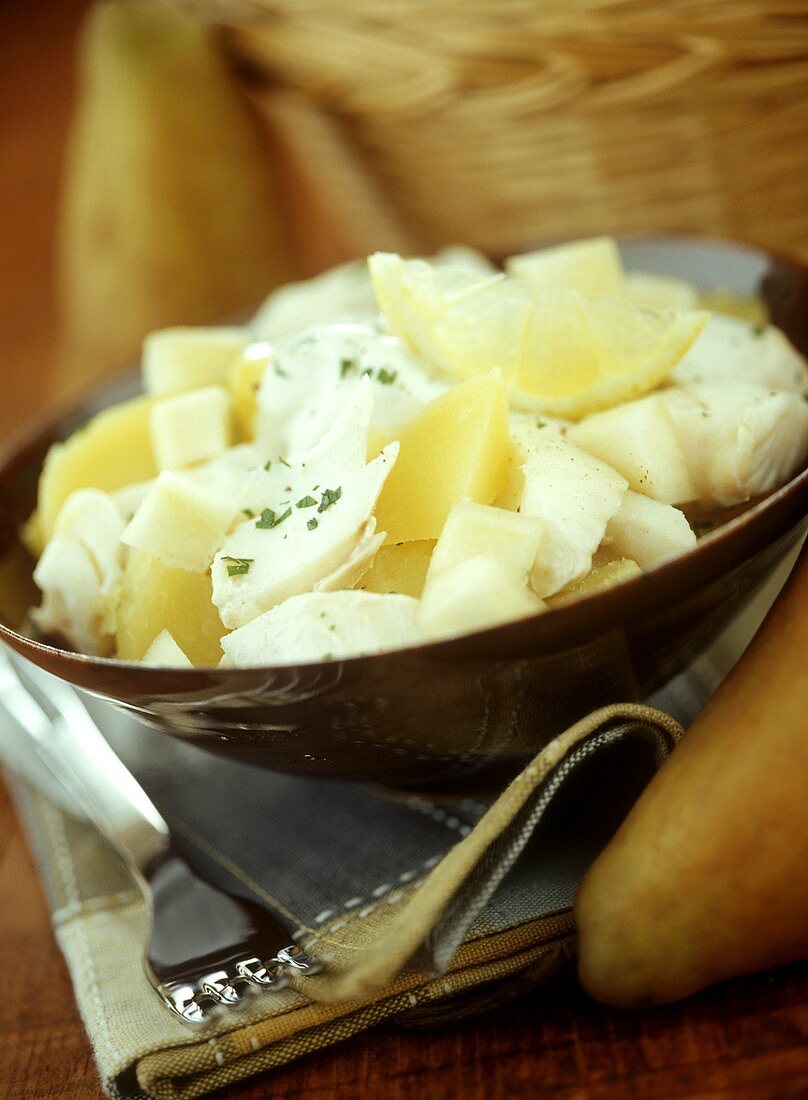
(320, 626)
(251, 473)
(93, 517)
(313, 375)
(528, 430)
(344, 293)
(226, 475)
(304, 546)
(338, 454)
(648, 531)
(741, 441)
(357, 563)
(576, 495)
(72, 604)
(731, 350)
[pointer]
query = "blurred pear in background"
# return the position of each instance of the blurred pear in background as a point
(168, 210)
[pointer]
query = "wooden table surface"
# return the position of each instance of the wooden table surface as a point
(744, 1039)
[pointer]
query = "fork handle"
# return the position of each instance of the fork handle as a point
(72, 747)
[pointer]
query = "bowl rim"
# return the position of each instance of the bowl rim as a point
(598, 607)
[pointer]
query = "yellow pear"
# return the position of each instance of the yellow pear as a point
(708, 876)
(168, 214)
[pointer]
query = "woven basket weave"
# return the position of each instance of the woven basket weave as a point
(504, 121)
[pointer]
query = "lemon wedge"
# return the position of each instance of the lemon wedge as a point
(560, 352)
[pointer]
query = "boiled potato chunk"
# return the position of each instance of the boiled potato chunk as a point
(456, 449)
(648, 531)
(591, 266)
(179, 523)
(155, 598)
(472, 529)
(472, 595)
(598, 580)
(639, 439)
(165, 653)
(180, 359)
(400, 568)
(191, 427)
(112, 450)
(244, 379)
(575, 495)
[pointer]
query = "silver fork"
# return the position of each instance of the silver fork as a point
(208, 949)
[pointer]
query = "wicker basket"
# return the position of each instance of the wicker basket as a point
(500, 121)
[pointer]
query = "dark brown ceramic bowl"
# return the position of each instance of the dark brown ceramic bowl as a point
(471, 709)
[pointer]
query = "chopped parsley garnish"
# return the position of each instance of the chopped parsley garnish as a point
(313, 522)
(758, 329)
(330, 496)
(237, 567)
(248, 512)
(270, 519)
(386, 377)
(541, 423)
(345, 365)
(306, 502)
(283, 462)
(280, 371)
(268, 465)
